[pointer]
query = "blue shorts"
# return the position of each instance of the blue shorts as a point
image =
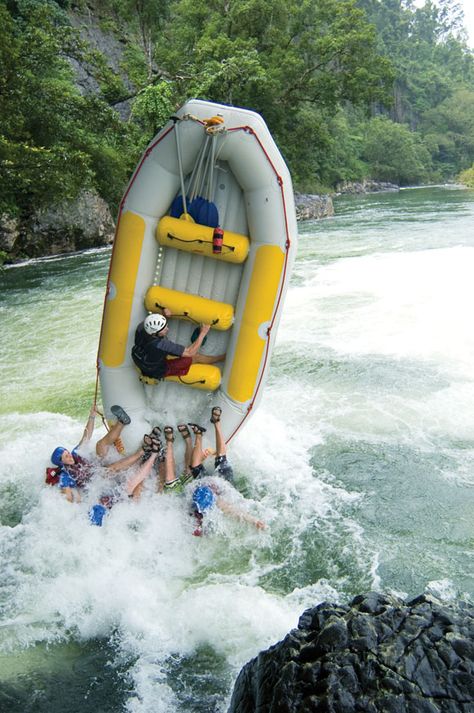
(66, 481)
(199, 471)
(224, 468)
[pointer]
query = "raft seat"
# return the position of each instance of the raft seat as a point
(196, 238)
(185, 306)
(200, 376)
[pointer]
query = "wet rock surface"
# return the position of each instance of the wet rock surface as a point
(378, 654)
(66, 227)
(311, 207)
(367, 186)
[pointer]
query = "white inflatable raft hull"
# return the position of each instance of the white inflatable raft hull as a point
(253, 193)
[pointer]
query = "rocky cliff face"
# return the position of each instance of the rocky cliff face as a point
(83, 223)
(376, 655)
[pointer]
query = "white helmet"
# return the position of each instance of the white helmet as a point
(155, 323)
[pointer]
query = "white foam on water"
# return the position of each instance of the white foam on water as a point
(411, 309)
(414, 305)
(143, 578)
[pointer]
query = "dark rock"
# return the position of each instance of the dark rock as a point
(377, 655)
(67, 227)
(113, 53)
(311, 207)
(463, 648)
(332, 636)
(366, 186)
(9, 232)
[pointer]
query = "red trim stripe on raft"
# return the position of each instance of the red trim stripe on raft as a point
(249, 130)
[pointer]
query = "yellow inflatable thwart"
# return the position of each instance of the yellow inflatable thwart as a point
(185, 306)
(200, 376)
(196, 238)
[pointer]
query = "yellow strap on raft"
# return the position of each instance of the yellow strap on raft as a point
(200, 376)
(214, 121)
(196, 238)
(199, 309)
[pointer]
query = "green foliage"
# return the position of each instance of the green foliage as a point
(349, 88)
(467, 177)
(54, 141)
(394, 153)
(153, 107)
(293, 62)
(450, 129)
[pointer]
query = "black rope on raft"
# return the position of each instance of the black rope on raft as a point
(183, 314)
(230, 248)
(191, 383)
(187, 315)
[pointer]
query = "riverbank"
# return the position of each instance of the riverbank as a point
(88, 223)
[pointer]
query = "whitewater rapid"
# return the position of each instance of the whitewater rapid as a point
(359, 459)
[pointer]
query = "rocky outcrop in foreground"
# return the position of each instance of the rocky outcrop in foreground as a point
(376, 655)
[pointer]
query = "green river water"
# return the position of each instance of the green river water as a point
(360, 458)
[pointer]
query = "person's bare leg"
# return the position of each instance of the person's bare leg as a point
(141, 474)
(197, 452)
(170, 463)
(221, 448)
(188, 446)
(160, 481)
(208, 358)
(126, 462)
(137, 492)
(102, 446)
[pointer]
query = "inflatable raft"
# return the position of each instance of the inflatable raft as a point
(212, 166)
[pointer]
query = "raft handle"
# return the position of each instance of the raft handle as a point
(186, 314)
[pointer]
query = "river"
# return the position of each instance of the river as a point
(360, 458)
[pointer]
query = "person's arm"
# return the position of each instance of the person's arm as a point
(67, 492)
(89, 428)
(231, 510)
(193, 348)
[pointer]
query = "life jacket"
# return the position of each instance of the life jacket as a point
(150, 360)
(81, 471)
(52, 476)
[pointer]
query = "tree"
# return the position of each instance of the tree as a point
(294, 62)
(394, 153)
(54, 142)
(450, 129)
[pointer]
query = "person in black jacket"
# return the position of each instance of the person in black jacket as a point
(152, 348)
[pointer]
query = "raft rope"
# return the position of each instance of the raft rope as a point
(176, 120)
(191, 383)
(187, 315)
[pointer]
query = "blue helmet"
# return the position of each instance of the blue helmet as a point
(203, 498)
(56, 455)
